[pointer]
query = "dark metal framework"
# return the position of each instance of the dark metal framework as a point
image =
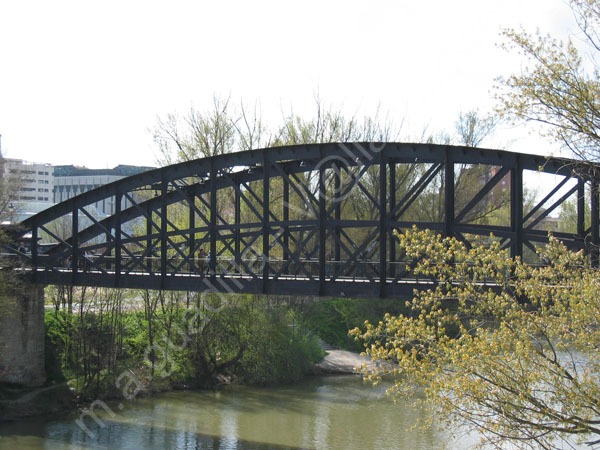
(308, 219)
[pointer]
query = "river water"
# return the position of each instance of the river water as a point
(333, 412)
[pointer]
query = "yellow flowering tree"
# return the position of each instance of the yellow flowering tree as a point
(508, 350)
(558, 87)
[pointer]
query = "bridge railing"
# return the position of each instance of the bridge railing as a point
(364, 271)
(343, 271)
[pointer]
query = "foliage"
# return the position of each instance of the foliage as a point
(331, 319)
(10, 185)
(90, 344)
(557, 89)
(171, 341)
(11, 271)
(250, 342)
(567, 220)
(280, 350)
(225, 128)
(523, 365)
(198, 134)
(472, 129)
(10, 276)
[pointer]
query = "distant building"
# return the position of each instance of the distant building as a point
(70, 181)
(33, 185)
(35, 180)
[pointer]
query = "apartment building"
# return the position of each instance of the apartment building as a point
(31, 185)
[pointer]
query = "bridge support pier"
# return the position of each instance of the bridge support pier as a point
(22, 335)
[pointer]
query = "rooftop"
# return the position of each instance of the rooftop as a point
(122, 170)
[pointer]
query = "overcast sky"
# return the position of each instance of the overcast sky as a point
(81, 82)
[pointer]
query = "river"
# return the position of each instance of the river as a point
(331, 412)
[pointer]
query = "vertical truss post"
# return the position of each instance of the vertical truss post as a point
(337, 186)
(286, 218)
(595, 250)
(74, 241)
(383, 225)
(265, 221)
(117, 235)
(516, 209)
(449, 194)
(149, 239)
(192, 235)
(392, 198)
(163, 230)
(580, 208)
(322, 229)
(237, 230)
(212, 262)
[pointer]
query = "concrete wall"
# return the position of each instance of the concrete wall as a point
(22, 336)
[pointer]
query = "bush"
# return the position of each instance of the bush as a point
(332, 319)
(280, 350)
(244, 340)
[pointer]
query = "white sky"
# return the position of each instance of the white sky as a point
(81, 82)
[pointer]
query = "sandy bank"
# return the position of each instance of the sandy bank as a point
(342, 361)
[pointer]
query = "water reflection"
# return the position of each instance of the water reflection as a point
(330, 412)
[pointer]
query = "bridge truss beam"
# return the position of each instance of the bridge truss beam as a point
(309, 219)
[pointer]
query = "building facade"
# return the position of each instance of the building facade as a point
(70, 181)
(31, 186)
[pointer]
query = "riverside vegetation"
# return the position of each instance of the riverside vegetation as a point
(171, 340)
(175, 340)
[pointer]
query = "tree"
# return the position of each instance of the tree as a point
(224, 128)
(10, 184)
(220, 129)
(472, 129)
(557, 90)
(10, 275)
(509, 350)
(505, 349)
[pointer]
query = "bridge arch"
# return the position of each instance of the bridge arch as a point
(312, 219)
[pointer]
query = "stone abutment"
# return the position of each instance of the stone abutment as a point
(22, 335)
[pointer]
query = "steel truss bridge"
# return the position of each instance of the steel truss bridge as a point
(303, 220)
